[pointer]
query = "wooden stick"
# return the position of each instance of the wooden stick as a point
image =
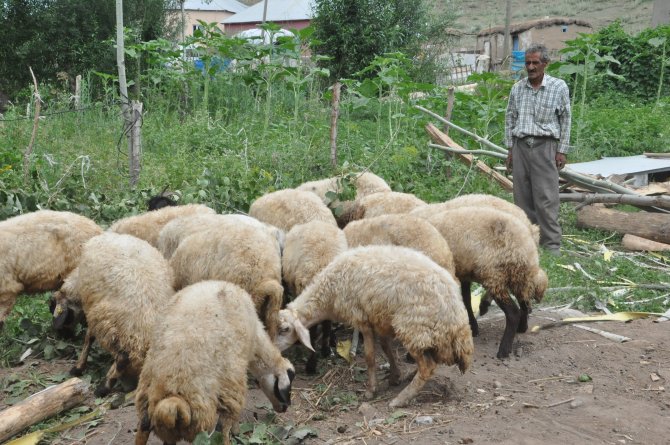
(42, 405)
(611, 336)
(443, 139)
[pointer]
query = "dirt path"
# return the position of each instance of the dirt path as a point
(534, 397)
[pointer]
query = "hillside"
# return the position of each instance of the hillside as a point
(476, 15)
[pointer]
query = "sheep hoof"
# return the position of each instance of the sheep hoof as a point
(394, 380)
(503, 354)
(76, 371)
(102, 391)
(395, 403)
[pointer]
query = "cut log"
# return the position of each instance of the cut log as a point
(632, 242)
(653, 226)
(440, 138)
(42, 405)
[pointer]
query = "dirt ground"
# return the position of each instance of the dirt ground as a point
(535, 397)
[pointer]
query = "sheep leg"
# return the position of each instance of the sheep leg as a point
(143, 429)
(79, 367)
(369, 346)
(511, 323)
(312, 360)
(227, 425)
(425, 368)
(523, 319)
(326, 334)
(7, 300)
(394, 371)
(115, 372)
(467, 301)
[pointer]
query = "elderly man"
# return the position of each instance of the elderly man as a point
(537, 134)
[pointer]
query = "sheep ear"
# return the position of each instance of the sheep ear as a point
(303, 334)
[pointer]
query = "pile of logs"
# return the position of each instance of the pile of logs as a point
(646, 230)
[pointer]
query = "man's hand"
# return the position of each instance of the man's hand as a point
(560, 160)
(508, 161)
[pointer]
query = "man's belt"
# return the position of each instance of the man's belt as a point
(532, 141)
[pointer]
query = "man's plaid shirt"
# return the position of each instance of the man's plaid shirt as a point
(541, 112)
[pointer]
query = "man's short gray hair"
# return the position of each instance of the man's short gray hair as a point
(539, 48)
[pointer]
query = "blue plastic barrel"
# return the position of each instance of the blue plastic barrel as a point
(518, 60)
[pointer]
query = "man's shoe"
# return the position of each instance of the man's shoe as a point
(553, 252)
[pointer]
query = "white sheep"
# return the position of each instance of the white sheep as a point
(148, 225)
(387, 292)
(123, 284)
(196, 369)
(402, 230)
(242, 254)
(480, 200)
(364, 182)
(309, 248)
(493, 248)
(288, 207)
(39, 250)
(179, 228)
(376, 204)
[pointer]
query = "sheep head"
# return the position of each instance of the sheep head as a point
(291, 330)
(65, 305)
(277, 385)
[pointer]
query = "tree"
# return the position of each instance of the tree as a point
(66, 36)
(352, 32)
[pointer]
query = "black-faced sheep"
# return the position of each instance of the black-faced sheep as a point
(310, 247)
(402, 230)
(196, 369)
(242, 254)
(493, 248)
(387, 292)
(286, 208)
(148, 225)
(39, 250)
(123, 284)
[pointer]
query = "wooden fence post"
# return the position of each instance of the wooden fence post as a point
(135, 142)
(333, 123)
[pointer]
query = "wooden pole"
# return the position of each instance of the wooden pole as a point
(77, 92)
(42, 405)
(136, 142)
(616, 198)
(508, 20)
(335, 112)
(123, 85)
(450, 107)
(443, 139)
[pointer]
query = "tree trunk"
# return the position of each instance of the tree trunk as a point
(42, 405)
(653, 226)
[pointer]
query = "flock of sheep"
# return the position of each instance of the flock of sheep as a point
(189, 302)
